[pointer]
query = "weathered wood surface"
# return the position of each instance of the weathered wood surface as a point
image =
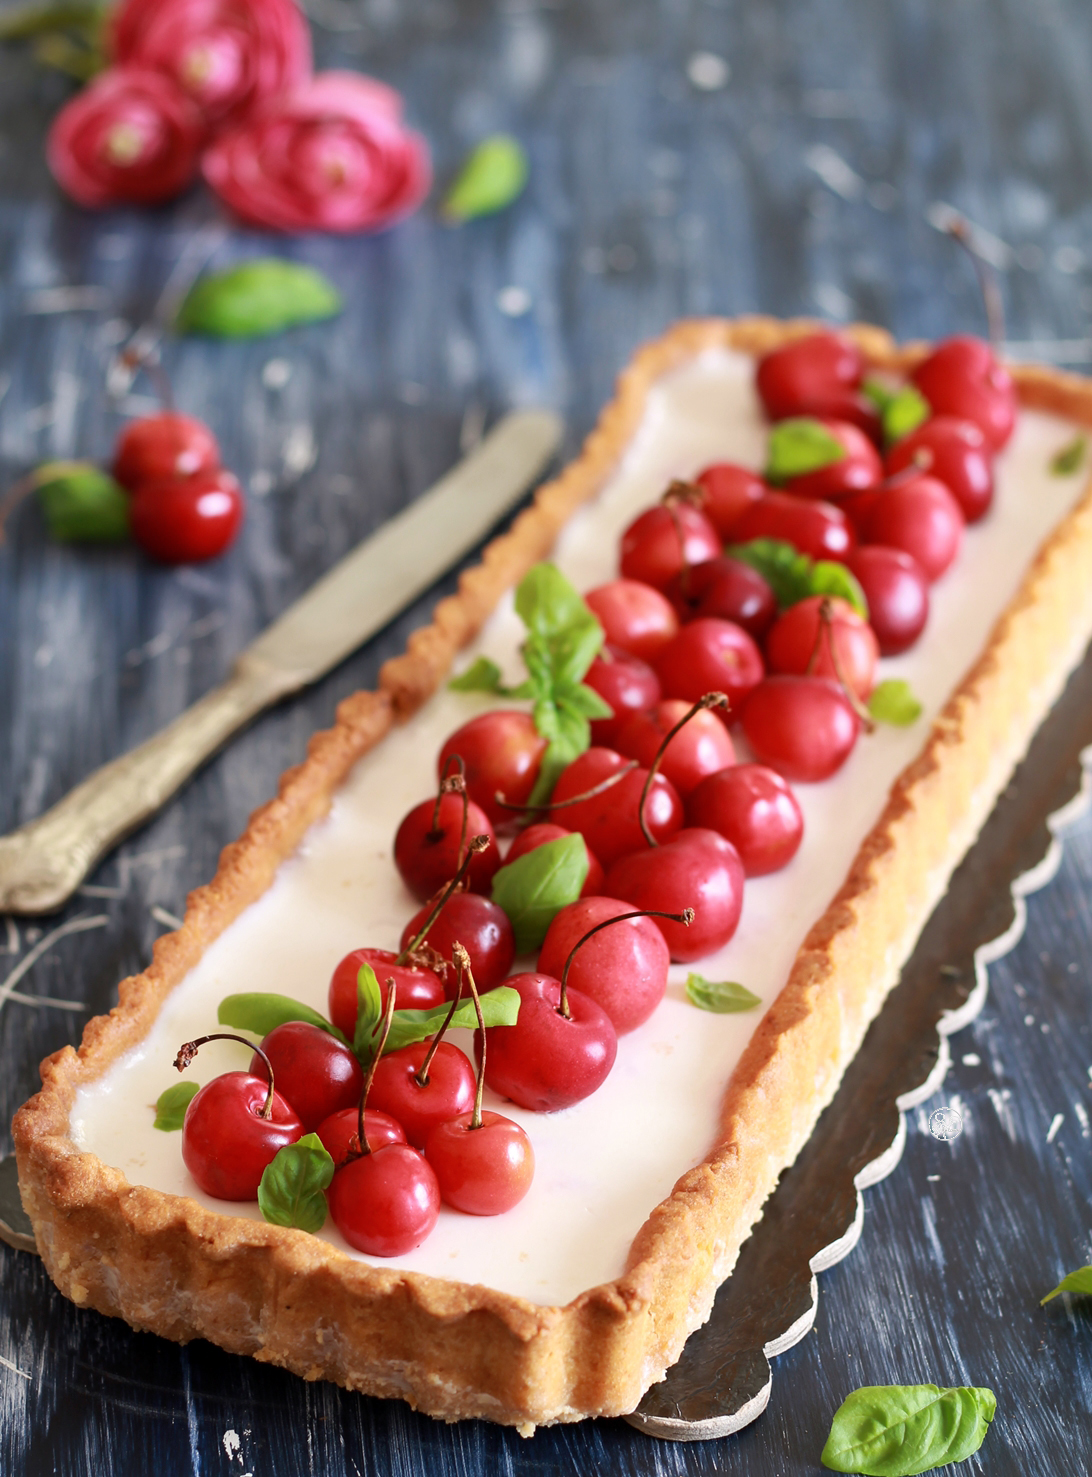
(800, 185)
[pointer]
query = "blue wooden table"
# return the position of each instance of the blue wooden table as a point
(686, 158)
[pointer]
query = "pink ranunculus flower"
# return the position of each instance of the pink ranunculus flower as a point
(227, 55)
(331, 155)
(130, 137)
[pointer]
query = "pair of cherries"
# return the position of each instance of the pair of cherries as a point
(184, 506)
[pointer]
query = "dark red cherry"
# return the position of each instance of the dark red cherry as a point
(859, 469)
(479, 925)
(184, 522)
(797, 636)
(448, 1092)
(538, 835)
(608, 821)
(546, 1062)
(807, 371)
(804, 727)
(727, 589)
(427, 846)
(955, 453)
(753, 807)
(623, 969)
(897, 592)
(710, 655)
(729, 491)
(626, 684)
(696, 869)
(339, 1132)
(415, 988)
(701, 748)
(816, 528)
(922, 518)
(502, 753)
(962, 378)
(313, 1070)
(386, 1203)
(663, 539)
(164, 447)
(226, 1143)
(634, 616)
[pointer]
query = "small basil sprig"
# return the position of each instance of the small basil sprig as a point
(894, 702)
(793, 576)
(722, 997)
(493, 175)
(82, 504)
(901, 1430)
(906, 410)
(500, 1007)
(1069, 460)
(259, 1012)
(292, 1190)
(536, 886)
(170, 1106)
(799, 445)
(1078, 1281)
(563, 638)
(257, 298)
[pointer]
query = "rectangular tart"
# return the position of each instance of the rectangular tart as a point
(606, 1324)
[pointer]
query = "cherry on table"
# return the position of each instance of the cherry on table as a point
(419, 1099)
(186, 521)
(800, 641)
(623, 969)
(697, 869)
(710, 654)
(164, 447)
(954, 452)
(634, 616)
(858, 470)
(415, 986)
(805, 727)
(754, 808)
(921, 517)
(608, 819)
(340, 1133)
(429, 843)
(816, 528)
(544, 831)
(385, 1203)
(478, 923)
(626, 684)
(897, 592)
(728, 491)
(727, 589)
(807, 370)
(664, 539)
(963, 378)
(315, 1072)
(547, 1060)
(502, 752)
(702, 747)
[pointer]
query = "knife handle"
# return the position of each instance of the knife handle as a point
(44, 862)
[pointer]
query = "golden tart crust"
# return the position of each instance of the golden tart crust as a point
(453, 1350)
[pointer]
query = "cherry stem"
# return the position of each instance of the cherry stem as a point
(421, 1075)
(710, 700)
(462, 961)
(826, 629)
(682, 492)
(14, 496)
(686, 917)
(388, 1016)
(477, 844)
(135, 360)
(611, 780)
(451, 784)
(988, 284)
(919, 463)
(188, 1052)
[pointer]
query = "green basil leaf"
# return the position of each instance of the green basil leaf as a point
(893, 702)
(829, 578)
(257, 298)
(905, 412)
(568, 733)
(500, 1007)
(491, 178)
(723, 997)
(880, 394)
(481, 676)
(901, 1430)
(563, 636)
(82, 503)
(536, 886)
(22, 22)
(170, 1106)
(786, 571)
(1078, 1281)
(1071, 457)
(259, 1013)
(369, 1012)
(800, 445)
(292, 1188)
(578, 697)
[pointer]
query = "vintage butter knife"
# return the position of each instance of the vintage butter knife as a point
(43, 862)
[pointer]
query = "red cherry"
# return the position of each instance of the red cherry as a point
(729, 491)
(962, 378)
(479, 925)
(701, 748)
(427, 846)
(502, 751)
(753, 808)
(623, 969)
(807, 370)
(547, 1061)
(608, 821)
(164, 447)
(816, 528)
(634, 616)
(183, 522)
(696, 869)
(922, 518)
(385, 1203)
(538, 835)
(803, 726)
(483, 1170)
(625, 683)
(418, 1106)
(315, 1072)
(860, 468)
(955, 453)
(226, 1143)
(727, 589)
(710, 655)
(663, 540)
(797, 636)
(415, 988)
(897, 593)
(339, 1132)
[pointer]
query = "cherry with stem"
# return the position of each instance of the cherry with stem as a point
(477, 844)
(187, 1054)
(826, 633)
(710, 700)
(686, 918)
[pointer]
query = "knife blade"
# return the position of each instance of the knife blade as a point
(43, 862)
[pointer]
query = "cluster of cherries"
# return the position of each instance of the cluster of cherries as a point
(184, 506)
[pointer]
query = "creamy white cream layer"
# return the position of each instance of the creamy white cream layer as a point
(602, 1165)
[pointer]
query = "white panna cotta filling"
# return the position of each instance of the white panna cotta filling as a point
(602, 1165)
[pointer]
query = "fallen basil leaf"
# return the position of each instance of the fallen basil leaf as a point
(536, 886)
(901, 1430)
(292, 1188)
(260, 1013)
(492, 177)
(82, 503)
(905, 412)
(893, 702)
(1078, 1281)
(829, 578)
(1069, 460)
(500, 1007)
(800, 445)
(257, 298)
(170, 1106)
(786, 571)
(369, 1012)
(722, 997)
(880, 394)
